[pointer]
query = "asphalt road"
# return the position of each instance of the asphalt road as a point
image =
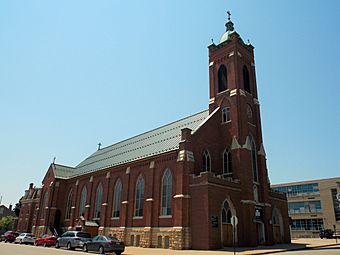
(18, 249)
(316, 251)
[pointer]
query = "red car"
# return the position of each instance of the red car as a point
(46, 240)
(10, 236)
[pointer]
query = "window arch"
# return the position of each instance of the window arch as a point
(206, 161)
(82, 204)
(249, 112)
(227, 162)
(246, 81)
(226, 213)
(44, 204)
(253, 159)
(98, 204)
(166, 192)
(68, 205)
(139, 201)
(226, 115)
(222, 78)
(117, 198)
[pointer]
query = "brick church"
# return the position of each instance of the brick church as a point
(178, 186)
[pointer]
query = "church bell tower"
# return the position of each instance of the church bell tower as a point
(233, 90)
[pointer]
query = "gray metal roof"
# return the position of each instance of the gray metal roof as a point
(151, 143)
(63, 172)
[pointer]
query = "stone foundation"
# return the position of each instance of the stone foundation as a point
(176, 238)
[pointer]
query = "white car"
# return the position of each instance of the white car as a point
(25, 238)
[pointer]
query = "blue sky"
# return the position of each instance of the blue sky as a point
(75, 73)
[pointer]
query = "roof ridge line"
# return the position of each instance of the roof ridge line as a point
(102, 150)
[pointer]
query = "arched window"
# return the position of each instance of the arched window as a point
(82, 203)
(206, 161)
(117, 199)
(68, 206)
(246, 82)
(227, 162)
(249, 112)
(166, 193)
(222, 78)
(253, 159)
(98, 204)
(44, 205)
(139, 202)
(226, 115)
(226, 213)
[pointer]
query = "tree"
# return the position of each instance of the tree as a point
(6, 223)
(17, 208)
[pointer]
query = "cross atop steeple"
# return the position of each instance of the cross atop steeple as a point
(229, 14)
(99, 145)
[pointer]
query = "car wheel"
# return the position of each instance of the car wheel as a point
(69, 247)
(5, 241)
(57, 246)
(118, 252)
(101, 250)
(20, 242)
(85, 248)
(45, 244)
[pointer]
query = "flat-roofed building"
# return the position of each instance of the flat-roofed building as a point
(313, 205)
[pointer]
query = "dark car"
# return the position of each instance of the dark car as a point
(46, 241)
(104, 244)
(10, 236)
(326, 233)
(72, 240)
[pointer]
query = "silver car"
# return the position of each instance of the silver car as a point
(72, 240)
(25, 238)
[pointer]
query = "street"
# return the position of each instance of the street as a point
(315, 251)
(17, 249)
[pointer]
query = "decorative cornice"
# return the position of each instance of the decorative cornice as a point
(182, 196)
(233, 92)
(185, 155)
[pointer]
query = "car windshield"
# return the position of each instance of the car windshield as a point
(84, 235)
(111, 238)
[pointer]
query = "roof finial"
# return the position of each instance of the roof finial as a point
(54, 160)
(229, 14)
(99, 145)
(229, 24)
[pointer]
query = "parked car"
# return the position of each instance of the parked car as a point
(326, 233)
(104, 244)
(72, 240)
(46, 241)
(10, 236)
(25, 238)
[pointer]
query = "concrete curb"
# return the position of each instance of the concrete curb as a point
(297, 249)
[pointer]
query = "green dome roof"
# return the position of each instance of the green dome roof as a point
(226, 36)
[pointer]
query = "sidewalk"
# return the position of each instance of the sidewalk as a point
(297, 244)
